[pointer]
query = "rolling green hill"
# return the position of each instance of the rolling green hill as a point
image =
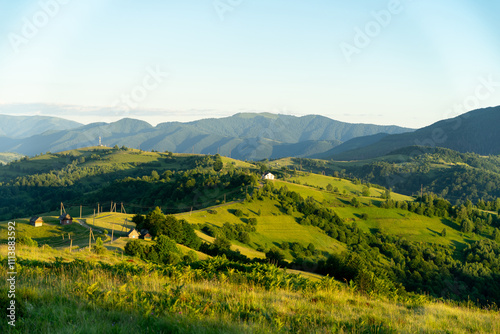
(7, 157)
(369, 253)
(455, 176)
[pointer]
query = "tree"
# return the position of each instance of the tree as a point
(138, 219)
(218, 165)
(167, 250)
(222, 243)
(155, 176)
(443, 232)
(366, 191)
(496, 235)
(99, 246)
(275, 255)
(153, 218)
(467, 226)
(134, 248)
(329, 187)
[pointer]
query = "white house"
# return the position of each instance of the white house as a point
(268, 176)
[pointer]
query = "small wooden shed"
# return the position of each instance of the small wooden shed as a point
(65, 219)
(133, 234)
(36, 221)
(147, 236)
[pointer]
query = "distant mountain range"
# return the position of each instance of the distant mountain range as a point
(242, 136)
(255, 136)
(27, 126)
(474, 132)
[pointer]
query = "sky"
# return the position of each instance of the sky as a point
(403, 62)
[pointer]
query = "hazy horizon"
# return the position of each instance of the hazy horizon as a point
(396, 62)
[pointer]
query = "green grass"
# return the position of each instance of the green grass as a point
(121, 223)
(51, 233)
(103, 299)
(273, 227)
(6, 157)
(349, 187)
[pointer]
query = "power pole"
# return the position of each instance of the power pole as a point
(112, 231)
(93, 219)
(97, 208)
(111, 208)
(80, 212)
(70, 245)
(90, 240)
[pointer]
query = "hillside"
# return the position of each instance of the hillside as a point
(473, 132)
(77, 293)
(140, 179)
(235, 241)
(7, 157)
(242, 136)
(455, 176)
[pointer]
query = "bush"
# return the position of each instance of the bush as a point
(275, 255)
(238, 213)
(23, 240)
(252, 221)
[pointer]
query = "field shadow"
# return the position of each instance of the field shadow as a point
(435, 233)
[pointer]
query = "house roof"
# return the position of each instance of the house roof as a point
(35, 218)
(132, 231)
(65, 216)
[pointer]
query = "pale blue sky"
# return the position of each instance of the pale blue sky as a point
(275, 56)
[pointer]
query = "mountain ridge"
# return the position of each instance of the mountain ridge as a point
(244, 136)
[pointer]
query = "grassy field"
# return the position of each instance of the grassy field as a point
(121, 223)
(349, 187)
(273, 227)
(116, 299)
(51, 233)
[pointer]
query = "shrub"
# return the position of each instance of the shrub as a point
(23, 240)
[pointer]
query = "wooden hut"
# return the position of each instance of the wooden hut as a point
(133, 234)
(36, 221)
(65, 219)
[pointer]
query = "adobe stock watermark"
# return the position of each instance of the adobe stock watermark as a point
(11, 274)
(223, 7)
(365, 35)
(32, 26)
(153, 79)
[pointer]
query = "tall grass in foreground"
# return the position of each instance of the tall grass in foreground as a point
(215, 296)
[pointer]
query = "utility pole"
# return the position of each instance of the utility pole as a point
(80, 212)
(70, 245)
(93, 219)
(111, 208)
(97, 208)
(90, 240)
(112, 231)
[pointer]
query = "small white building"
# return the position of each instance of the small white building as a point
(268, 176)
(133, 234)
